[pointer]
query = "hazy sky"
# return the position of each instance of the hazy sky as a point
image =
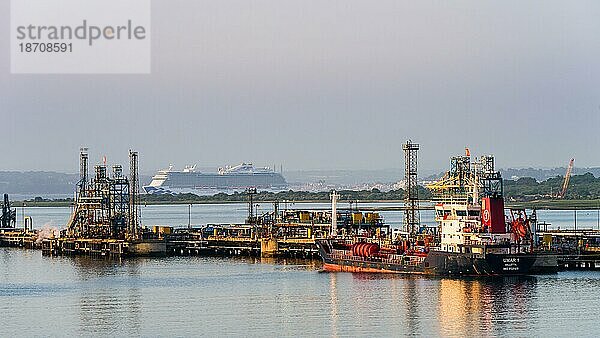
(325, 85)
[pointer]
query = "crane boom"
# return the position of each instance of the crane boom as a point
(563, 191)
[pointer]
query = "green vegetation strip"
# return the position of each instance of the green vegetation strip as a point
(583, 193)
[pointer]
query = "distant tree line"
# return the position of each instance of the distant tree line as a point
(581, 187)
(362, 195)
(584, 186)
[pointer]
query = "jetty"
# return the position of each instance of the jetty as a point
(105, 223)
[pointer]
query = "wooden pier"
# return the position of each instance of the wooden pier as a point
(102, 247)
(579, 262)
(19, 238)
(575, 249)
(243, 246)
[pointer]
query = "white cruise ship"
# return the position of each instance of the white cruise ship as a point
(227, 180)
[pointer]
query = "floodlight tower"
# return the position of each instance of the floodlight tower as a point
(411, 192)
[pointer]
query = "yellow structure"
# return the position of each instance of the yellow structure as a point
(304, 216)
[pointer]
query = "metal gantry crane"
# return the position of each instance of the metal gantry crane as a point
(563, 191)
(468, 180)
(106, 206)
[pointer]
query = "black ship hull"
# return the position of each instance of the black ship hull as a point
(434, 263)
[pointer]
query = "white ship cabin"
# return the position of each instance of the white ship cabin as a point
(462, 230)
(244, 168)
(189, 169)
(161, 177)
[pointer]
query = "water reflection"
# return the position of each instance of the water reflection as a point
(492, 305)
(286, 263)
(375, 304)
(459, 305)
(184, 296)
(110, 299)
(334, 304)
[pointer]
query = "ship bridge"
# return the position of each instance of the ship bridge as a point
(469, 204)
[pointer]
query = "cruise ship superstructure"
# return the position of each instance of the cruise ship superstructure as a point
(227, 179)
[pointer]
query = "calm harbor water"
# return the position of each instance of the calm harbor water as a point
(177, 215)
(191, 296)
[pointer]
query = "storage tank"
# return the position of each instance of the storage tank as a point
(372, 249)
(365, 249)
(356, 249)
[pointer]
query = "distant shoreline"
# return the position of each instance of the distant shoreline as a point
(536, 204)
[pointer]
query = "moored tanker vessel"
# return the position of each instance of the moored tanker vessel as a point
(473, 235)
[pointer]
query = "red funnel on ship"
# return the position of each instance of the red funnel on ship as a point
(492, 214)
